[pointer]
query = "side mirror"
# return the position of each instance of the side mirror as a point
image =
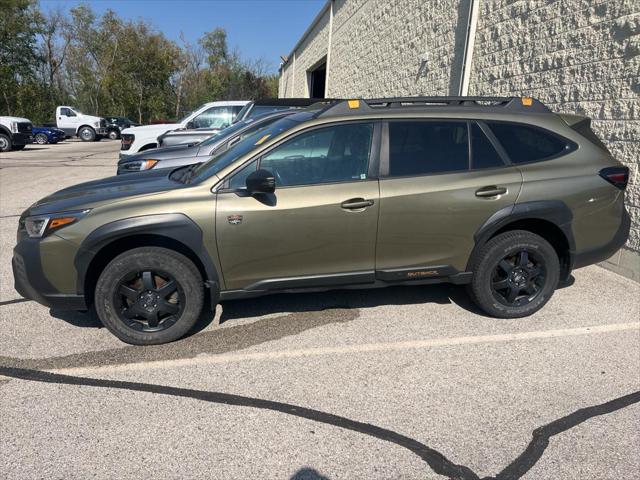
(191, 125)
(261, 181)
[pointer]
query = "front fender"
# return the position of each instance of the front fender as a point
(175, 226)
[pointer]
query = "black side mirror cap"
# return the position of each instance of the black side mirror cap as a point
(261, 181)
(190, 125)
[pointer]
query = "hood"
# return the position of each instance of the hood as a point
(150, 129)
(15, 119)
(106, 190)
(165, 153)
(89, 118)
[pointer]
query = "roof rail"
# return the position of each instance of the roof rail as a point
(503, 104)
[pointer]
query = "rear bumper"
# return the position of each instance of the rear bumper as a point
(30, 282)
(599, 254)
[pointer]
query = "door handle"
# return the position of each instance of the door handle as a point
(491, 191)
(356, 203)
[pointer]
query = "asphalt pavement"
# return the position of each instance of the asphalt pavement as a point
(401, 383)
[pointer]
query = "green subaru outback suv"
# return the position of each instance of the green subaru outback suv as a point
(497, 193)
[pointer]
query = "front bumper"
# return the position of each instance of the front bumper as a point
(31, 283)
(21, 138)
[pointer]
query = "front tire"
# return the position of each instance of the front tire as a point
(514, 274)
(5, 143)
(87, 134)
(149, 296)
(113, 135)
(41, 139)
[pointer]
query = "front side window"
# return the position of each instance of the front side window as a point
(524, 143)
(339, 153)
(427, 147)
(214, 117)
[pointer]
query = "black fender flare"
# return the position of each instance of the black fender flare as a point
(175, 226)
(554, 211)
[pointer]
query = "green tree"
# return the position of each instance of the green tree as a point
(18, 56)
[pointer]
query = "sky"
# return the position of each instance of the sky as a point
(260, 29)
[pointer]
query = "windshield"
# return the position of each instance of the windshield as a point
(224, 133)
(226, 158)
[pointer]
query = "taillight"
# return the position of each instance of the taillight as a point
(616, 176)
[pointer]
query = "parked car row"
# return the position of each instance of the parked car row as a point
(17, 132)
(499, 194)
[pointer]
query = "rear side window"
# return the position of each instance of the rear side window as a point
(524, 143)
(483, 155)
(425, 147)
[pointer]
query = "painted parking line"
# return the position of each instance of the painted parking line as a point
(355, 349)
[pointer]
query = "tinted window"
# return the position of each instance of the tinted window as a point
(419, 148)
(325, 155)
(527, 144)
(483, 155)
(226, 158)
(240, 178)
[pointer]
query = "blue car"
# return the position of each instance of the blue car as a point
(44, 135)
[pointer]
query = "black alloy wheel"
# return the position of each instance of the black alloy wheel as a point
(149, 301)
(149, 296)
(514, 274)
(518, 279)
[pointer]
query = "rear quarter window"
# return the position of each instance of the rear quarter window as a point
(525, 143)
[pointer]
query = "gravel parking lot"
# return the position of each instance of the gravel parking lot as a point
(397, 383)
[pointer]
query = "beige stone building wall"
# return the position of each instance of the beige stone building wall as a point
(579, 56)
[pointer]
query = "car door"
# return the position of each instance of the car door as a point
(68, 120)
(434, 195)
(319, 226)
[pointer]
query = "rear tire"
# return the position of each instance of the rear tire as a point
(514, 274)
(149, 296)
(87, 134)
(113, 135)
(41, 139)
(5, 143)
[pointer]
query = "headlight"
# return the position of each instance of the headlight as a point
(14, 127)
(41, 225)
(96, 124)
(139, 165)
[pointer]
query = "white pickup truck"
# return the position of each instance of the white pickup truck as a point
(15, 133)
(75, 123)
(209, 115)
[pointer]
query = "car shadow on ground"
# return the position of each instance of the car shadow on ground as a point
(441, 294)
(307, 302)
